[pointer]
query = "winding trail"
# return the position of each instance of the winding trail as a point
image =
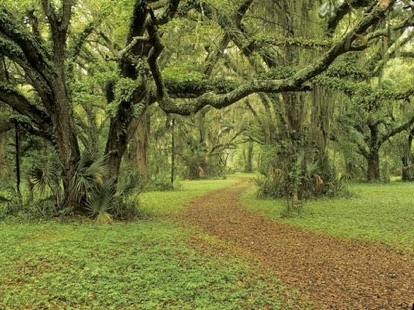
(333, 273)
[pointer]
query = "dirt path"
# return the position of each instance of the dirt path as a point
(334, 273)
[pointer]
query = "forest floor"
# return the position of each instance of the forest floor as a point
(332, 272)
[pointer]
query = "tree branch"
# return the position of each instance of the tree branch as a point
(35, 56)
(214, 57)
(293, 83)
(341, 47)
(40, 81)
(77, 46)
(225, 100)
(345, 8)
(396, 131)
(22, 105)
(168, 13)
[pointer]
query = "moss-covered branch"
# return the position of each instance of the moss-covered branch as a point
(26, 49)
(296, 82)
(40, 120)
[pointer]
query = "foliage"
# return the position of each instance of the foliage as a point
(296, 179)
(161, 182)
(89, 176)
(327, 9)
(126, 199)
(9, 203)
(210, 48)
(156, 269)
(46, 180)
(205, 142)
(100, 202)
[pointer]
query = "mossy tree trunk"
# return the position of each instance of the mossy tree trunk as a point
(373, 166)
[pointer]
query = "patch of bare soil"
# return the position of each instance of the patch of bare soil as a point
(334, 273)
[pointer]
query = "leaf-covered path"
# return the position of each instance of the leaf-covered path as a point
(334, 273)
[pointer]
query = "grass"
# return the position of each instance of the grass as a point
(166, 203)
(376, 213)
(148, 264)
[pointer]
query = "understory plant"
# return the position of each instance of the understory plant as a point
(100, 202)
(94, 191)
(295, 177)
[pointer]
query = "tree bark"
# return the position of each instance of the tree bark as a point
(138, 146)
(373, 161)
(123, 124)
(248, 164)
(66, 142)
(407, 169)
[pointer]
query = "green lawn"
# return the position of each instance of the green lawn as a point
(377, 212)
(148, 264)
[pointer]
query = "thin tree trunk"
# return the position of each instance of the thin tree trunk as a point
(172, 150)
(248, 166)
(407, 170)
(17, 149)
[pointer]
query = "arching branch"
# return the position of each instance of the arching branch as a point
(28, 52)
(297, 82)
(22, 105)
(344, 9)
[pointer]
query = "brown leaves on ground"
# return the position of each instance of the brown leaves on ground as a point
(334, 273)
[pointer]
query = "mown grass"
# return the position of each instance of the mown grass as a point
(376, 213)
(147, 264)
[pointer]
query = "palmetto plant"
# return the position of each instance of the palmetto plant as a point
(90, 173)
(100, 202)
(92, 187)
(46, 180)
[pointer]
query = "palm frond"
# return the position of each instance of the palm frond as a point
(47, 177)
(101, 200)
(89, 176)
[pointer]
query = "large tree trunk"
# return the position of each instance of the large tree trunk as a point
(115, 148)
(64, 129)
(141, 140)
(121, 130)
(66, 145)
(138, 147)
(124, 123)
(373, 171)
